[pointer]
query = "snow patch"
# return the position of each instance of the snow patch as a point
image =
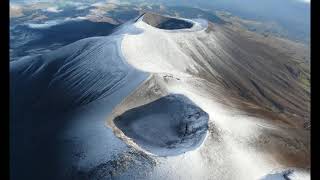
(50, 23)
(54, 9)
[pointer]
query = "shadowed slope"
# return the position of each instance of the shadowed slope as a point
(73, 75)
(58, 102)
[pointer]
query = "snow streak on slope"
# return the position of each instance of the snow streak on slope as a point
(83, 72)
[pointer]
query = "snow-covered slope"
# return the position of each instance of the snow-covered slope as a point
(242, 83)
(74, 110)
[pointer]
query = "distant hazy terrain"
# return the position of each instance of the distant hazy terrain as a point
(32, 21)
(292, 16)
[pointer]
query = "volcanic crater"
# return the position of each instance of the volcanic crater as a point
(167, 23)
(169, 126)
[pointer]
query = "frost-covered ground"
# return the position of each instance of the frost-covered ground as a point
(65, 104)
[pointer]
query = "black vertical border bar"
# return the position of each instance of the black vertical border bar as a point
(4, 87)
(315, 128)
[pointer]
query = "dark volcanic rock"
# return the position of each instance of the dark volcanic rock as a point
(163, 22)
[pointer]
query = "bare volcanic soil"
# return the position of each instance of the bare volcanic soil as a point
(168, 126)
(167, 23)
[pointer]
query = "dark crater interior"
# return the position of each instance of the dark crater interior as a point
(167, 23)
(282, 175)
(168, 126)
